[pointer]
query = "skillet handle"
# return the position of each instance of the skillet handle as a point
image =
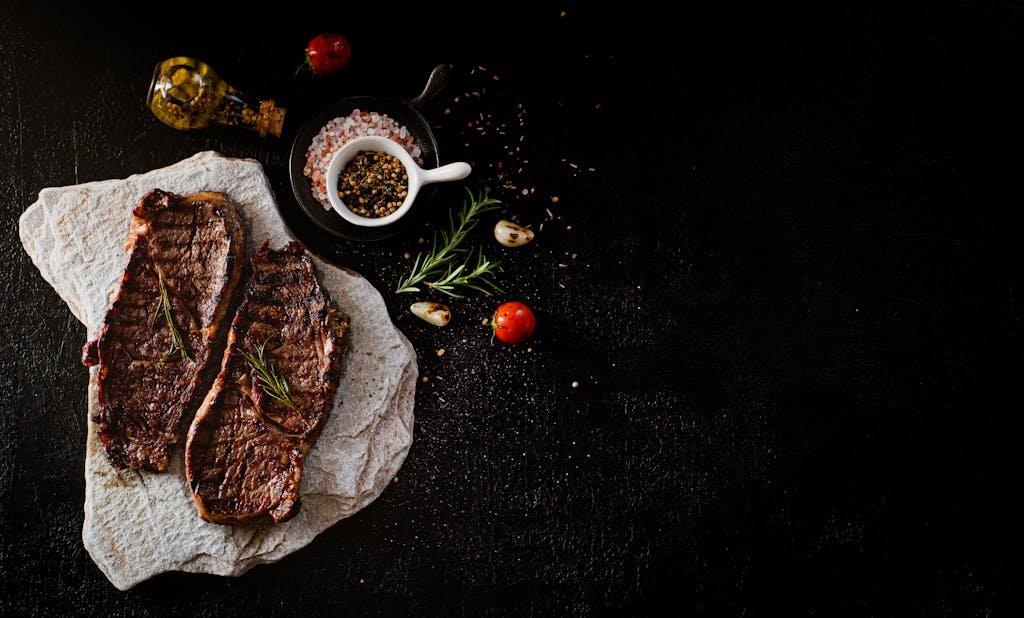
(437, 80)
(445, 173)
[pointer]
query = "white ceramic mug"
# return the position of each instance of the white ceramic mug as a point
(416, 174)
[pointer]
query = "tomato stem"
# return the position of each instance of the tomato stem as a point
(307, 65)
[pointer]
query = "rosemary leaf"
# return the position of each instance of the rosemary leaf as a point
(177, 341)
(273, 384)
(478, 277)
(439, 262)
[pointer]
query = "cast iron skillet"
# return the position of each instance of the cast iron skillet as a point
(406, 113)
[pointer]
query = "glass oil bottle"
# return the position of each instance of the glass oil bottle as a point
(186, 94)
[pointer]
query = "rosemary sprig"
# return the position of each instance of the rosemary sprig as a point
(177, 341)
(439, 263)
(477, 277)
(266, 374)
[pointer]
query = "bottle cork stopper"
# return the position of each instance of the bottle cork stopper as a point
(270, 118)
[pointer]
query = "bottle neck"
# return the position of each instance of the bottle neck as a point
(269, 118)
(238, 109)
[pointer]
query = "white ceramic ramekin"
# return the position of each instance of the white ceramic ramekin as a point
(417, 177)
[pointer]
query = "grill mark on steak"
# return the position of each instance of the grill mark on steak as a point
(245, 450)
(196, 243)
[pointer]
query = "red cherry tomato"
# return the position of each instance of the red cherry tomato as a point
(328, 53)
(513, 322)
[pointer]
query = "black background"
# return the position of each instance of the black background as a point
(790, 292)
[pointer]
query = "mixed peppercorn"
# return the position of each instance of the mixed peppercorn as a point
(373, 184)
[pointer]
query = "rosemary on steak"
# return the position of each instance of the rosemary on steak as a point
(177, 341)
(442, 269)
(266, 374)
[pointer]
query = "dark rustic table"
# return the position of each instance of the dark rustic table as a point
(783, 272)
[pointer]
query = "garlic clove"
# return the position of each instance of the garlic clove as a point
(512, 234)
(432, 313)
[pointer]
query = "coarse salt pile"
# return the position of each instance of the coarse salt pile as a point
(340, 130)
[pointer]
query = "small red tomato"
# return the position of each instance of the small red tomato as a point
(513, 322)
(327, 54)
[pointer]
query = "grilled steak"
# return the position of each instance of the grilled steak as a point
(184, 260)
(275, 390)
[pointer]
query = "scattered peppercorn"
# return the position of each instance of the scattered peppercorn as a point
(373, 184)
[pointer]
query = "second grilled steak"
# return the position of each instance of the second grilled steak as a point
(274, 393)
(184, 261)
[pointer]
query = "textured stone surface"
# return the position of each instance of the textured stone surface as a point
(140, 524)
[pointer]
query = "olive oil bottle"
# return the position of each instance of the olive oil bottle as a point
(186, 94)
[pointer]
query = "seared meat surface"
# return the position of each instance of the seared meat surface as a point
(184, 261)
(248, 441)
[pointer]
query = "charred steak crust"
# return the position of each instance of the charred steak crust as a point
(196, 243)
(245, 449)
